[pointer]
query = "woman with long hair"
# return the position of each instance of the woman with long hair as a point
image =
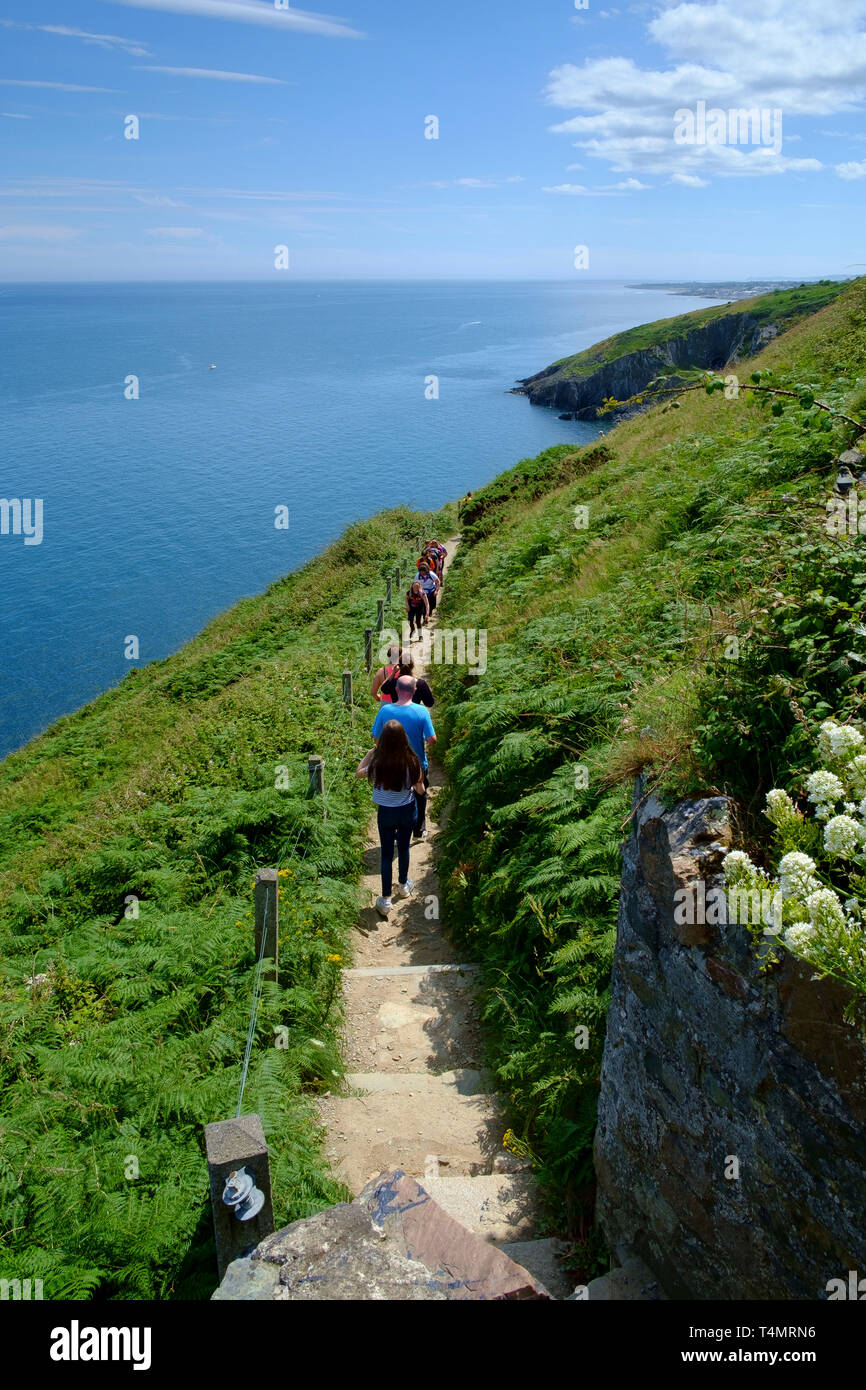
(417, 607)
(422, 695)
(394, 773)
(384, 673)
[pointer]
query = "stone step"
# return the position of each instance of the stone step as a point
(396, 1128)
(501, 1207)
(466, 1081)
(383, 971)
(542, 1259)
(411, 1019)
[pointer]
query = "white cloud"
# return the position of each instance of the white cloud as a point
(251, 12)
(470, 182)
(604, 191)
(55, 86)
(852, 170)
(36, 232)
(177, 233)
(690, 181)
(790, 56)
(15, 116)
(108, 41)
(215, 74)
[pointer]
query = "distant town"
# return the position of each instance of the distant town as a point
(726, 289)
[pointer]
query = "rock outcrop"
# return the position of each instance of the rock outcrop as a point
(711, 345)
(392, 1243)
(731, 1143)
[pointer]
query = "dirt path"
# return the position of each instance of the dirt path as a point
(418, 1097)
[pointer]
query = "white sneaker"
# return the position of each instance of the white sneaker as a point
(420, 834)
(404, 890)
(383, 906)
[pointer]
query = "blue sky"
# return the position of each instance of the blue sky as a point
(261, 126)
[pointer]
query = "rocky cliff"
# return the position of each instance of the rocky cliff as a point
(711, 345)
(731, 1143)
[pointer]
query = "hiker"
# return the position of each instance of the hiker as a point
(463, 504)
(430, 583)
(422, 694)
(395, 774)
(420, 732)
(417, 607)
(384, 673)
(429, 558)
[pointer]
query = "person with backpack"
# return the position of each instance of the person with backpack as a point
(394, 772)
(417, 607)
(430, 583)
(384, 673)
(422, 694)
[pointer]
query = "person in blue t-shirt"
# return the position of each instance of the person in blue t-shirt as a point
(420, 733)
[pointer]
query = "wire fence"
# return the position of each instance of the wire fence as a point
(329, 744)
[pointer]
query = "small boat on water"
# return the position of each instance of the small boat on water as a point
(212, 367)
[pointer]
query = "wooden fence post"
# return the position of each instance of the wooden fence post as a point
(368, 647)
(236, 1154)
(316, 770)
(388, 591)
(380, 614)
(267, 920)
(348, 696)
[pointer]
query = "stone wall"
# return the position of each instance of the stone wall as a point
(706, 1058)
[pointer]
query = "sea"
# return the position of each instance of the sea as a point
(151, 432)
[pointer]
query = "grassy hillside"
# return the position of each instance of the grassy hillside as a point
(610, 652)
(122, 1035)
(781, 306)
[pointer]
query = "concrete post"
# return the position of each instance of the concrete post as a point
(232, 1145)
(267, 920)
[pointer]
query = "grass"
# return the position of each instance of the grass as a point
(779, 306)
(697, 630)
(129, 837)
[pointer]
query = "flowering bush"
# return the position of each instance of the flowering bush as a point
(822, 868)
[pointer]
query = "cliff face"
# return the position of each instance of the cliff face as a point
(707, 1060)
(711, 345)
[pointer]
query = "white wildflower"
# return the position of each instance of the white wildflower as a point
(844, 740)
(824, 789)
(826, 913)
(780, 807)
(797, 875)
(843, 836)
(799, 935)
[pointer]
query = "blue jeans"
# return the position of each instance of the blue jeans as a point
(395, 823)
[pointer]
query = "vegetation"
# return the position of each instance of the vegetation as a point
(669, 602)
(780, 306)
(678, 608)
(129, 836)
